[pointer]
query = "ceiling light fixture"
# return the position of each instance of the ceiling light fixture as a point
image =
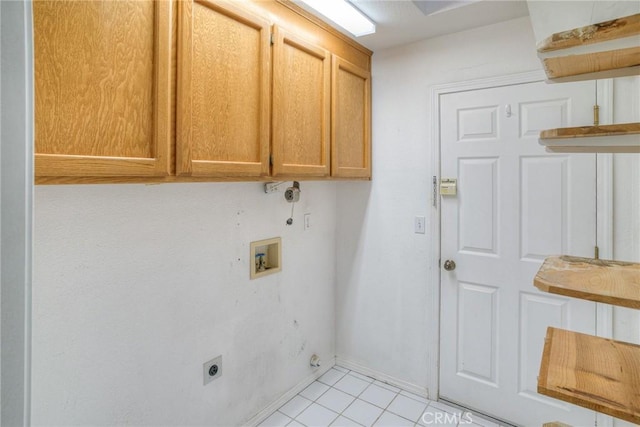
(432, 7)
(344, 14)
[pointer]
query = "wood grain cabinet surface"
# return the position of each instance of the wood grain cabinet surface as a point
(301, 106)
(350, 120)
(102, 88)
(196, 90)
(224, 73)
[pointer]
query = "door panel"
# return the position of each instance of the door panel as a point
(477, 123)
(478, 220)
(515, 205)
(540, 115)
(477, 340)
(224, 79)
(543, 216)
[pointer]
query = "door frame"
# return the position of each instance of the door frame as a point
(16, 198)
(604, 220)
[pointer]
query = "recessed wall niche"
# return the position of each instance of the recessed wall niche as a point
(266, 257)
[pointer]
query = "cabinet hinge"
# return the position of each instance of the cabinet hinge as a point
(596, 252)
(270, 159)
(272, 41)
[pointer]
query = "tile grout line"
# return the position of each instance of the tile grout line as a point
(386, 409)
(341, 414)
(397, 393)
(322, 394)
(355, 398)
(388, 404)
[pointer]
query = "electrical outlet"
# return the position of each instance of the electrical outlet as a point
(212, 370)
(419, 226)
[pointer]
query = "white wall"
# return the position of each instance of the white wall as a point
(384, 279)
(135, 287)
(626, 224)
(626, 205)
(626, 228)
(0, 216)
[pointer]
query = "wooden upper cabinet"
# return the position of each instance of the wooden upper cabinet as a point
(196, 90)
(102, 88)
(350, 120)
(223, 93)
(301, 107)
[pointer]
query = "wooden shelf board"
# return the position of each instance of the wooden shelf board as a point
(591, 131)
(614, 61)
(604, 31)
(618, 138)
(610, 282)
(611, 49)
(597, 75)
(592, 372)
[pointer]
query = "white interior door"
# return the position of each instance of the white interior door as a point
(516, 204)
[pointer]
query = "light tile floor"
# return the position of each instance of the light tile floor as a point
(346, 398)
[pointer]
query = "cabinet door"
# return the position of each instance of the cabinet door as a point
(102, 88)
(301, 107)
(350, 120)
(223, 91)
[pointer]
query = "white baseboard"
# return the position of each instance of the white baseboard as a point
(276, 404)
(385, 378)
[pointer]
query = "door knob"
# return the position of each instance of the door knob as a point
(449, 265)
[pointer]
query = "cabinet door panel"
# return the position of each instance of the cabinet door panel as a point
(102, 88)
(350, 120)
(223, 91)
(301, 107)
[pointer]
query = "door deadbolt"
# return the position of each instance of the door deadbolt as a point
(449, 265)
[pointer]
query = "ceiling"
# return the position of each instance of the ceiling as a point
(400, 22)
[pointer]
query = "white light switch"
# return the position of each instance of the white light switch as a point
(307, 221)
(419, 226)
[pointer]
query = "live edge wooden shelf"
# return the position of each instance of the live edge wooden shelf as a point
(603, 50)
(610, 282)
(618, 138)
(596, 373)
